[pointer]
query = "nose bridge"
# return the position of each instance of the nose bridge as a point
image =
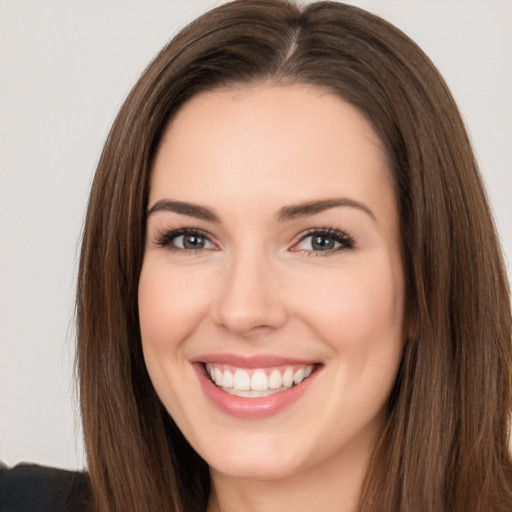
(249, 298)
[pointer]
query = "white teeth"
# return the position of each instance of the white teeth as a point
(288, 378)
(259, 381)
(228, 379)
(242, 381)
(275, 380)
(217, 377)
(298, 376)
(250, 394)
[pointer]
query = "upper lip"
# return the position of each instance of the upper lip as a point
(256, 361)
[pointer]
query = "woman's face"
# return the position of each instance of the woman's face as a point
(272, 254)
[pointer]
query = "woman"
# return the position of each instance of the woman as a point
(223, 368)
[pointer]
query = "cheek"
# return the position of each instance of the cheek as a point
(359, 315)
(358, 309)
(170, 305)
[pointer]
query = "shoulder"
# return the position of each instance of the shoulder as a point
(34, 488)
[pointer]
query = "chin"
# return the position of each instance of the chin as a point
(255, 468)
(258, 456)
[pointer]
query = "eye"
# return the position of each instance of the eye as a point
(185, 239)
(325, 240)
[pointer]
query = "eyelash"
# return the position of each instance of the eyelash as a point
(166, 238)
(346, 241)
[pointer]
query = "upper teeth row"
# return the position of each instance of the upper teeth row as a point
(259, 380)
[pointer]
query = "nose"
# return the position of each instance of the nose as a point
(249, 301)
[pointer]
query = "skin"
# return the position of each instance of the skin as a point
(258, 286)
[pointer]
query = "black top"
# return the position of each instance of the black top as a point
(31, 488)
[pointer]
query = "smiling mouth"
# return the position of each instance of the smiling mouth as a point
(257, 382)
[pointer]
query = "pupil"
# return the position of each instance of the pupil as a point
(322, 243)
(193, 242)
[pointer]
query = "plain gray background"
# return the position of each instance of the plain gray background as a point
(65, 68)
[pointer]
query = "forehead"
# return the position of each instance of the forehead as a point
(294, 138)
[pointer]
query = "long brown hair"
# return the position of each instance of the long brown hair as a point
(445, 445)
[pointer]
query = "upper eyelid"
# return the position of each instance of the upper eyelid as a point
(172, 234)
(340, 235)
(325, 231)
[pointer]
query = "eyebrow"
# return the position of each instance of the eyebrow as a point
(286, 213)
(313, 207)
(184, 208)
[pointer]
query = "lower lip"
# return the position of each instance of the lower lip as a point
(252, 408)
